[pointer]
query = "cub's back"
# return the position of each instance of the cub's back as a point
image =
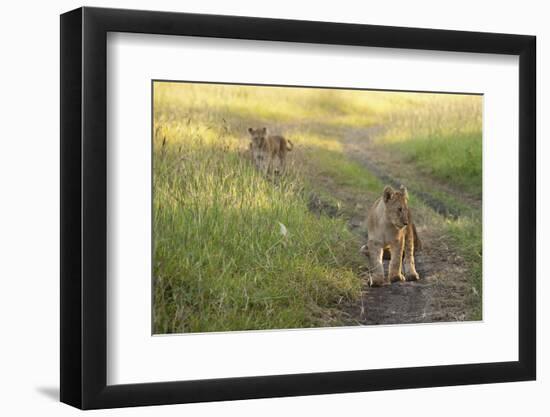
(277, 143)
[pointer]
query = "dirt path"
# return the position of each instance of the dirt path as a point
(440, 295)
(392, 170)
(443, 291)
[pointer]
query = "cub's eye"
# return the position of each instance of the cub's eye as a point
(400, 209)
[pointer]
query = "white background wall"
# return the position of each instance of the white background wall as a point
(29, 209)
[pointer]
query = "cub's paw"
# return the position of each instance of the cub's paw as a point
(397, 278)
(378, 282)
(364, 250)
(413, 276)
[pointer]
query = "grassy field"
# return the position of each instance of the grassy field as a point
(234, 250)
(441, 134)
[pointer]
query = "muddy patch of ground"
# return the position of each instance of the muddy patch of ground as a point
(440, 295)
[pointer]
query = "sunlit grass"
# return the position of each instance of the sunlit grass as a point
(466, 233)
(442, 134)
(221, 260)
(358, 108)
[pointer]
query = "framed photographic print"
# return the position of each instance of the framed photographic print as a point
(257, 207)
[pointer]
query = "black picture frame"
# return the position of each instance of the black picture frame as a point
(84, 207)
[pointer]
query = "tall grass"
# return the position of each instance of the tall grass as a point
(466, 235)
(287, 105)
(234, 250)
(442, 134)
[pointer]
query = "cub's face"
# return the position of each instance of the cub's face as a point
(397, 206)
(257, 136)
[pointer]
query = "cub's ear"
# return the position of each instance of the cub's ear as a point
(250, 130)
(404, 191)
(388, 193)
(264, 130)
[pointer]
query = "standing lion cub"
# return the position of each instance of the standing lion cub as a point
(265, 148)
(390, 227)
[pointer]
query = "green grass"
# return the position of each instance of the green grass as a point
(327, 159)
(442, 135)
(466, 233)
(452, 159)
(324, 157)
(345, 172)
(221, 261)
(466, 230)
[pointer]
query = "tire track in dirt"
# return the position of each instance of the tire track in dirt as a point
(358, 146)
(437, 205)
(442, 292)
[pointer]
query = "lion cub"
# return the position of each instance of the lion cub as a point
(390, 226)
(265, 148)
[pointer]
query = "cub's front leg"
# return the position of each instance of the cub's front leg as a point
(409, 265)
(396, 249)
(376, 250)
(265, 162)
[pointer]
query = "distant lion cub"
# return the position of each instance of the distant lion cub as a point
(390, 226)
(265, 148)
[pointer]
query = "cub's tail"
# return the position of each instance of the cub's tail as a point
(289, 145)
(417, 241)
